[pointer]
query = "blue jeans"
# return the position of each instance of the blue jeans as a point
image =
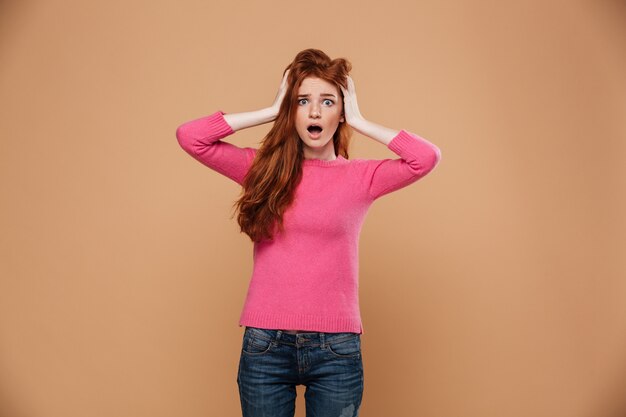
(273, 362)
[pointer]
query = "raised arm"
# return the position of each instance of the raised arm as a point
(417, 158)
(200, 138)
(238, 121)
(417, 155)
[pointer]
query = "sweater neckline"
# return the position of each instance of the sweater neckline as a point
(340, 160)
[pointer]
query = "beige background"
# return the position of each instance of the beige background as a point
(493, 287)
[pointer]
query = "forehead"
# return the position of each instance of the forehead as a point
(314, 85)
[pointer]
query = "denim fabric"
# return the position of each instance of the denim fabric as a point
(273, 362)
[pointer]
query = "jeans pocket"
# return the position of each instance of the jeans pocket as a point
(255, 344)
(349, 347)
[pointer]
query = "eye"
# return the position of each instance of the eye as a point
(301, 100)
(331, 102)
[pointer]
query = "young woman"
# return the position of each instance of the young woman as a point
(302, 204)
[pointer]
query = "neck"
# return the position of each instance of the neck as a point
(325, 154)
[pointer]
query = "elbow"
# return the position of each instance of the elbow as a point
(183, 137)
(180, 133)
(427, 162)
(436, 156)
(433, 158)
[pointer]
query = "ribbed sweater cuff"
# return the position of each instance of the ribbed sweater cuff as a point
(217, 124)
(407, 140)
(401, 141)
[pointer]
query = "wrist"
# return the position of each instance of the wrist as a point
(359, 124)
(375, 131)
(272, 112)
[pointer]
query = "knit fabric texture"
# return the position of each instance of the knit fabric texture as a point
(307, 277)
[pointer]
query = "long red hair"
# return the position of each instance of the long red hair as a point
(269, 185)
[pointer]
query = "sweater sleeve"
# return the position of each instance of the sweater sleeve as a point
(417, 158)
(200, 138)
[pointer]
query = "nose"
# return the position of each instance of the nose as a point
(315, 112)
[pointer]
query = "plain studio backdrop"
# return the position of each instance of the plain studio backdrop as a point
(493, 287)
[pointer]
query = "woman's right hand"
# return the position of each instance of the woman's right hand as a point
(280, 95)
(238, 121)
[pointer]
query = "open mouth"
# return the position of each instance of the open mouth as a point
(315, 131)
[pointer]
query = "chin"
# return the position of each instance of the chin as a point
(316, 143)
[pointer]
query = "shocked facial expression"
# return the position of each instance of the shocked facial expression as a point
(319, 112)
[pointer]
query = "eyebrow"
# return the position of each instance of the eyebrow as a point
(322, 95)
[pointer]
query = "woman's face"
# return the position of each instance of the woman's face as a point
(319, 103)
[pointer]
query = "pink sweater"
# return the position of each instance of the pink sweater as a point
(307, 277)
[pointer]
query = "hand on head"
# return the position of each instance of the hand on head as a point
(350, 106)
(280, 95)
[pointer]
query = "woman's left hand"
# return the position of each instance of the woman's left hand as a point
(350, 106)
